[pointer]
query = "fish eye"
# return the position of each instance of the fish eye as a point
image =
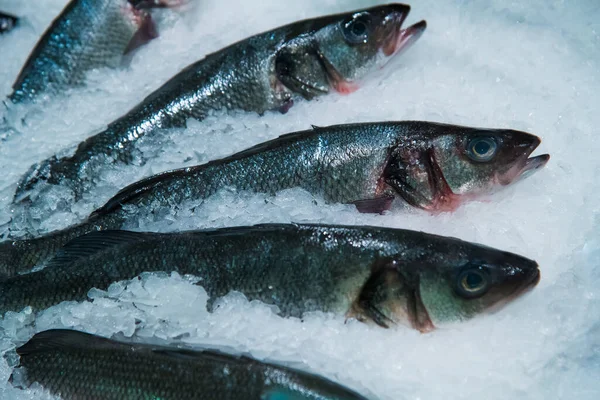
(482, 149)
(472, 283)
(356, 30)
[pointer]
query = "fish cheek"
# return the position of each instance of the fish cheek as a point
(461, 174)
(348, 62)
(441, 301)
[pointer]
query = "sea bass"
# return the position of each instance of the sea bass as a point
(87, 34)
(76, 365)
(426, 165)
(380, 275)
(7, 22)
(264, 72)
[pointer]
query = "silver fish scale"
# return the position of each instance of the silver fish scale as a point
(88, 34)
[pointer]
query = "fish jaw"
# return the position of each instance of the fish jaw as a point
(521, 171)
(526, 167)
(404, 38)
(519, 291)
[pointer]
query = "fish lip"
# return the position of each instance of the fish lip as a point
(532, 164)
(404, 38)
(525, 168)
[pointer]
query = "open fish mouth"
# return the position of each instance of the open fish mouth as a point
(404, 38)
(522, 170)
(533, 164)
(526, 167)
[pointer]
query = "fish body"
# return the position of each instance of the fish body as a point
(425, 165)
(88, 34)
(383, 275)
(76, 365)
(264, 72)
(7, 22)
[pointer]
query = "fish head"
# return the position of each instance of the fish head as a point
(446, 165)
(478, 279)
(336, 52)
(441, 283)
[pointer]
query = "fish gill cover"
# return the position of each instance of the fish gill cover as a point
(530, 66)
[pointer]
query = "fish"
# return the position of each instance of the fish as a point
(424, 165)
(86, 35)
(381, 276)
(265, 72)
(7, 22)
(76, 365)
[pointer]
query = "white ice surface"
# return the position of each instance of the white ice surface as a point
(526, 65)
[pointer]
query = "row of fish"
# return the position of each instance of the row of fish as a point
(382, 276)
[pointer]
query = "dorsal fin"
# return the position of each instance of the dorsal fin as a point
(60, 339)
(95, 242)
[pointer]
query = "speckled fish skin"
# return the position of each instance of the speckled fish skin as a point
(424, 164)
(87, 34)
(264, 72)
(7, 22)
(370, 273)
(79, 366)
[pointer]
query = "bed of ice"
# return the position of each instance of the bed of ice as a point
(526, 65)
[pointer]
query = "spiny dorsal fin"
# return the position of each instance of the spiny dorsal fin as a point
(60, 339)
(95, 242)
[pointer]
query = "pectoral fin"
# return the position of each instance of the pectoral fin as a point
(375, 205)
(378, 291)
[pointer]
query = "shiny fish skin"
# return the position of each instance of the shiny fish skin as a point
(87, 34)
(298, 268)
(78, 366)
(369, 164)
(264, 72)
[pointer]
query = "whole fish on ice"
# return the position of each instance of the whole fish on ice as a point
(264, 72)
(79, 366)
(381, 275)
(426, 165)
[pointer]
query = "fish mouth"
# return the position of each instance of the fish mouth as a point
(526, 286)
(402, 39)
(532, 164)
(526, 167)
